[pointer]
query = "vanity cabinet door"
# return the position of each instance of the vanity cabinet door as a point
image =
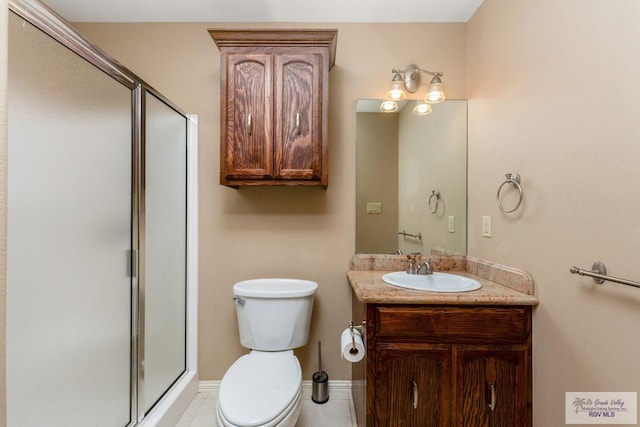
(413, 385)
(490, 386)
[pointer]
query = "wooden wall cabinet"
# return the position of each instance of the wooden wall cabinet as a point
(274, 106)
(445, 366)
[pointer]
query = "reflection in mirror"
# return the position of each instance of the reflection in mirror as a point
(401, 160)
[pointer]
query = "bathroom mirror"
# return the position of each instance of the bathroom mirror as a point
(411, 177)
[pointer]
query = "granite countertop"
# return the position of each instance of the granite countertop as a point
(501, 285)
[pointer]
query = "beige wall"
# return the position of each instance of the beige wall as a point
(299, 232)
(554, 90)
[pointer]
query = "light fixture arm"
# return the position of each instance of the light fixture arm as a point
(412, 77)
(413, 68)
(433, 73)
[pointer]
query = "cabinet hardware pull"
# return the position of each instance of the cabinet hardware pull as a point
(249, 124)
(492, 404)
(297, 123)
(415, 395)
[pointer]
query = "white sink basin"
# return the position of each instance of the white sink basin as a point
(436, 282)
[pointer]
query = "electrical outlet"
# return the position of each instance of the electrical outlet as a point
(452, 224)
(486, 226)
(374, 208)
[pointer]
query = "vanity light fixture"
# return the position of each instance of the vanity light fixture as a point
(410, 80)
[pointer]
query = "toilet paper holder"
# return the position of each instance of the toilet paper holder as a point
(361, 328)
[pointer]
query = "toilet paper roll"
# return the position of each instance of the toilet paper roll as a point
(349, 353)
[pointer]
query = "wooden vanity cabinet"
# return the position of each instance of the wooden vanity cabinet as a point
(461, 366)
(274, 106)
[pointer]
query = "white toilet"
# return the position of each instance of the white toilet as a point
(264, 388)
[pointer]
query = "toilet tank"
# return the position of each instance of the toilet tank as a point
(274, 314)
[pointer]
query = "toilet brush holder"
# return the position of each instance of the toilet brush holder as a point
(320, 389)
(320, 386)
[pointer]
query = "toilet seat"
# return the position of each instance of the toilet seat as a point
(286, 419)
(260, 389)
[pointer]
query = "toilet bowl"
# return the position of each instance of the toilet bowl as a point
(264, 388)
(261, 389)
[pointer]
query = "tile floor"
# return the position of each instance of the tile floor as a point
(337, 412)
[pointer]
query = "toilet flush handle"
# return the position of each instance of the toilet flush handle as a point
(239, 301)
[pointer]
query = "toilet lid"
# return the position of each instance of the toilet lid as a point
(259, 386)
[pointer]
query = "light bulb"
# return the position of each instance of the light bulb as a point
(422, 109)
(389, 107)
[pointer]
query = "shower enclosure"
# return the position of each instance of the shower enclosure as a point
(101, 239)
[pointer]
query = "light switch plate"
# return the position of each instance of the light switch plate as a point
(374, 208)
(452, 224)
(486, 226)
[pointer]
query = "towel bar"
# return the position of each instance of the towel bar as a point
(599, 274)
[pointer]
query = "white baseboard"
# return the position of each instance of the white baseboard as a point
(208, 386)
(338, 389)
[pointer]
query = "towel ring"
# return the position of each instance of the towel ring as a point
(435, 194)
(513, 179)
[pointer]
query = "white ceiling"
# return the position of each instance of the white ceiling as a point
(265, 10)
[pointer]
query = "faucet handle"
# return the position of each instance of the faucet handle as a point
(410, 269)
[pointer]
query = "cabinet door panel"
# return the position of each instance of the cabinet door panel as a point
(247, 140)
(490, 387)
(413, 385)
(298, 142)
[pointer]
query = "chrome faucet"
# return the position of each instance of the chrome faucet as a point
(424, 268)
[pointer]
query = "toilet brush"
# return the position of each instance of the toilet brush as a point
(320, 389)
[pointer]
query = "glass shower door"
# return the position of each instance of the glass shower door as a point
(164, 247)
(69, 238)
